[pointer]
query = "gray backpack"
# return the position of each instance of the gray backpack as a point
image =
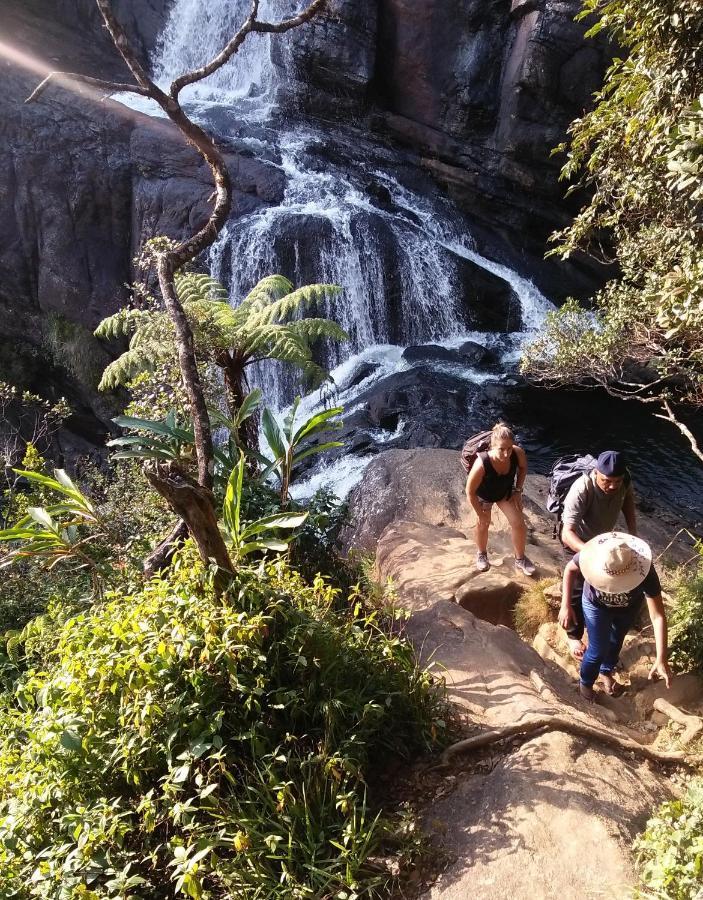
(565, 471)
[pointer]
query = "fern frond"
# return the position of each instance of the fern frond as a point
(299, 300)
(278, 342)
(123, 323)
(316, 329)
(131, 363)
(266, 292)
(191, 287)
(155, 330)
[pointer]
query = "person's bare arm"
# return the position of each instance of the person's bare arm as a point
(655, 606)
(628, 511)
(566, 613)
(575, 504)
(521, 467)
(571, 539)
(473, 482)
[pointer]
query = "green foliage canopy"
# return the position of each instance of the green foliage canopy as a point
(639, 154)
(261, 327)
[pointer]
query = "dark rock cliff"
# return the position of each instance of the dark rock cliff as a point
(474, 93)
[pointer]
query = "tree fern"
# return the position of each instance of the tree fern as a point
(261, 327)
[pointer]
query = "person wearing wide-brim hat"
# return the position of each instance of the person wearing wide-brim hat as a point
(618, 575)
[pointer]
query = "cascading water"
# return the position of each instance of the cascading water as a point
(195, 32)
(398, 261)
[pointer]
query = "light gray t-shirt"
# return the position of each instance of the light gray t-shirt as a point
(590, 511)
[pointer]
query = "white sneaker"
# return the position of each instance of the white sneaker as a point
(525, 565)
(482, 564)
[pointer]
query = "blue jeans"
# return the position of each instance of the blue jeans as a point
(606, 627)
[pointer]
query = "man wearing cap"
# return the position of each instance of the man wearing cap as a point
(618, 575)
(592, 506)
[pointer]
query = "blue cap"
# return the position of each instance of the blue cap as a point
(611, 463)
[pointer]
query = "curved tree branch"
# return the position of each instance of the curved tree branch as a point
(217, 61)
(293, 22)
(250, 24)
(684, 429)
(68, 78)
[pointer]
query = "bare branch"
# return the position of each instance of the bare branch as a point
(66, 79)
(287, 24)
(217, 61)
(121, 41)
(684, 429)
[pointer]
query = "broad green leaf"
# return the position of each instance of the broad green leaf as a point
(71, 741)
(278, 546)
(273, 434)
(289, 420)
(42, 517)
(276, 520)
(148, 425)
(317, 423)
(318, 448)
(249, 406)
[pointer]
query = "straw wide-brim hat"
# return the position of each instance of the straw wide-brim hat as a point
(615, 562)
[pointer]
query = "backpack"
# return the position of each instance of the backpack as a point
(565, 471)
(479, 443)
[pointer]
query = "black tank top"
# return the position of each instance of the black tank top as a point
(494, 486)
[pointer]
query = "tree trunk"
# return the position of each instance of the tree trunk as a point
(193, 503)
(236, 389)
(161, 556)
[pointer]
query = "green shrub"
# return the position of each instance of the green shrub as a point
(670, 851)
(177, 746)
(686, 621)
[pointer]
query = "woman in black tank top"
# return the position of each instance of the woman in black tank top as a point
(497, 485)
(497, 477)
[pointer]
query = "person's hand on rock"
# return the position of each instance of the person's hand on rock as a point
(661, 669)
(566, 615)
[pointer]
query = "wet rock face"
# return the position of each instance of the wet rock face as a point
(482, 92)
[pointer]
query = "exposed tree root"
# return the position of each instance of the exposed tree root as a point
(557, 723)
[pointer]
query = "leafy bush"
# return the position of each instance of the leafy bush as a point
(670, 851)
(179, 746)
(686, 621)
(315, 548)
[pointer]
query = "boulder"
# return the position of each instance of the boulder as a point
(432, 353)
(468, 354)
(477, 355)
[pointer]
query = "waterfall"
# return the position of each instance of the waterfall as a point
(348, 220)
(196, 31)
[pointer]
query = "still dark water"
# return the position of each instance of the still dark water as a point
(664, 469)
